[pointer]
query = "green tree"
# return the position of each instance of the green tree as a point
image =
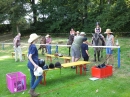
(14, 11)
(34, 10)
(60, 15)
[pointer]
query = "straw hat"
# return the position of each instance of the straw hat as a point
(33, 37)
(47, 35)
(38, 71)
(108, 31)
(82, 33)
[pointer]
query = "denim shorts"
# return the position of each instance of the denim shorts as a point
(109, 51)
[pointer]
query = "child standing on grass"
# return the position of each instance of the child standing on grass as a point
(84, 50)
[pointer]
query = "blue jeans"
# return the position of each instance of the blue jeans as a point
(48, 49)
(109, 51)
(34, 81)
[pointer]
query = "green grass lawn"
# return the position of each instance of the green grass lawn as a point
(68, 83)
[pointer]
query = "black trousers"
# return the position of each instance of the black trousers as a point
(86, 58)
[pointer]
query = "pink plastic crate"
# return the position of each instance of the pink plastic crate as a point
(16, 82)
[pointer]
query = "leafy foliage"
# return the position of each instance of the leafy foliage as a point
(58, 16)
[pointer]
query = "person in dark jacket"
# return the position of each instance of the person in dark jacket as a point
(71, 38)
(84, 50)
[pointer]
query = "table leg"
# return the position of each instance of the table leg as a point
(85, 69)
(44, 76)
(47, 58)
(41, 82)
(68, 60)
(76, 69)
(81, 67)
(50, 59)
(23, 56)
(13, 54)
(65, 60)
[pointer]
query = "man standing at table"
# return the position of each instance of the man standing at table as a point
(76, 47)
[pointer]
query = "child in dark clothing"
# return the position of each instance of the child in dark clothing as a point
(84, 49)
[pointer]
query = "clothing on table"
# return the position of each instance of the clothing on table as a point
(33, 50)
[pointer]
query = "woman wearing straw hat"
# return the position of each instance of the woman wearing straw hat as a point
(109, 42)
(33, 63)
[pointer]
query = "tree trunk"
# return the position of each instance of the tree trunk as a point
(17, 27)
(34, 11)
(108, 1)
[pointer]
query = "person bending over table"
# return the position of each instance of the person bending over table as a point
(76, 47)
